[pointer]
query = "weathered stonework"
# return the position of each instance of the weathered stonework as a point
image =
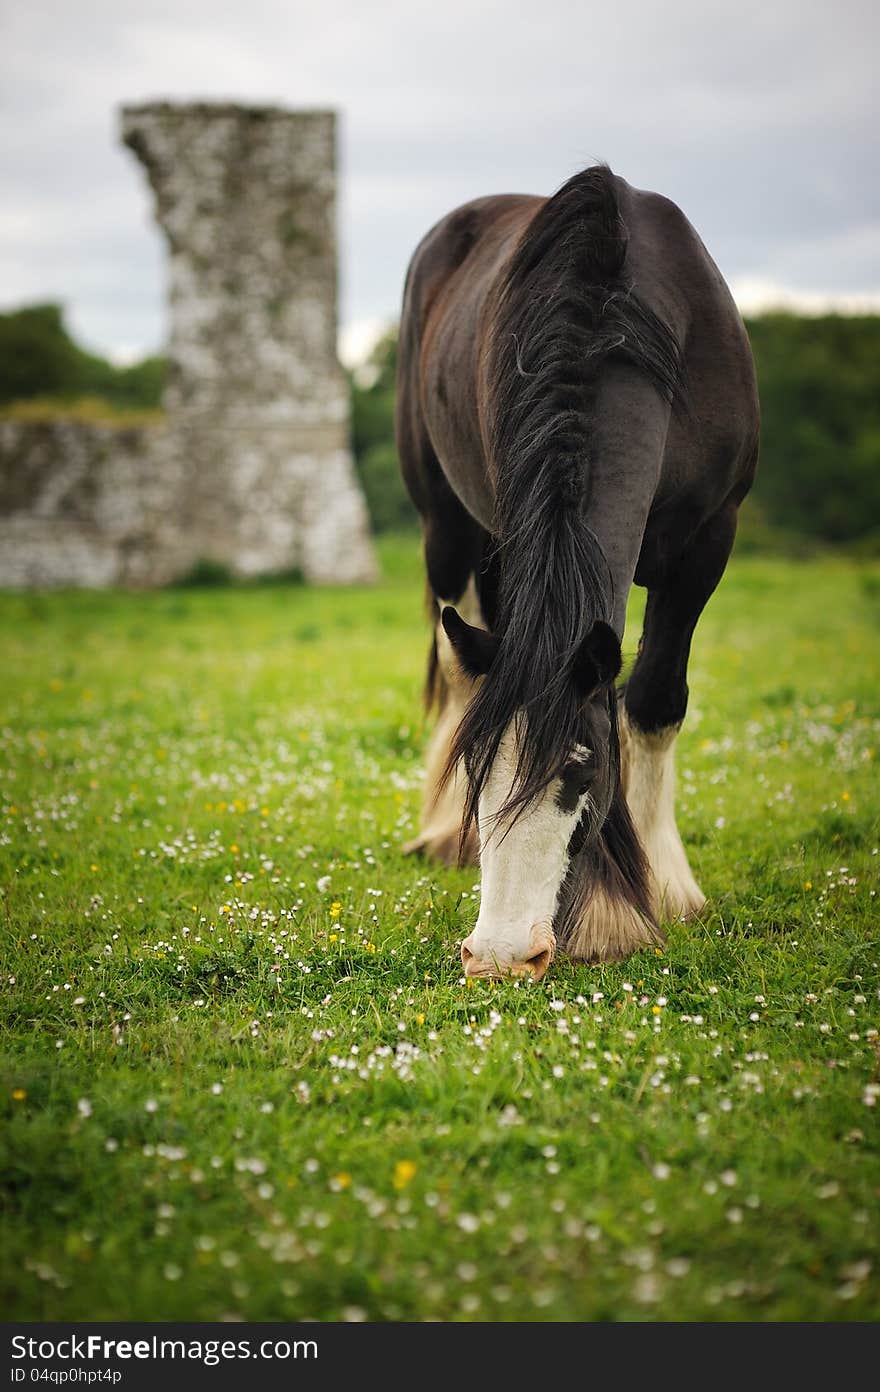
(87, 504)
(252, 466)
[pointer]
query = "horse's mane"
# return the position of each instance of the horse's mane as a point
(565, 309)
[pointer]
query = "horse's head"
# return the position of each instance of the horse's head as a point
(540, 800)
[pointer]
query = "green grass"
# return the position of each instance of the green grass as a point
(241, 1073)
(92, 410)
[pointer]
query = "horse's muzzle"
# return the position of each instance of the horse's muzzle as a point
(480, 960)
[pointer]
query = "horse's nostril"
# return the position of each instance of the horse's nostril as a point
(538, 962)
(543, 947)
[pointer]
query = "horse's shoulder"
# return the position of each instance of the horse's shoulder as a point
(674, 271)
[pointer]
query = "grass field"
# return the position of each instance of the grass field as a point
(242, 1075)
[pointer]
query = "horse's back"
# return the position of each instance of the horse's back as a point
(449, 243)
(440, 342)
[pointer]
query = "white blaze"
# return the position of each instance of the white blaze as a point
(523, 865)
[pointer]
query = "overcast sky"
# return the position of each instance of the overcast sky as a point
(759, 119)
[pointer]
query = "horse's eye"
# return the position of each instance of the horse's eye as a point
(575, 781)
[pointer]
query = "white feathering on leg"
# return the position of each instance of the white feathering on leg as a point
(648, 775)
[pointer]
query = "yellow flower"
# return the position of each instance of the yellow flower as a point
(404, 1173)
(370, 947)
(808, 884)
(342, 1180)
(264, 811)
(19, 1094)
(335, 907)
(656, 1010)
(234, 849)
(420, 1019)
(845, 797)
(334, 937)
(93, 867)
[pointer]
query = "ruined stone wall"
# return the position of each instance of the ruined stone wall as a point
(253, 466)
(87, 504)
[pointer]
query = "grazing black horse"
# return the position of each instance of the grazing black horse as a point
(576, 412)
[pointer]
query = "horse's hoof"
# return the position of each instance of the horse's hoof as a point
(681, 908)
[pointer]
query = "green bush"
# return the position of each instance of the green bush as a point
(388, 502)
(208, 573)
(819, 382)
(757, 536)
(372, 428)
(38, 359)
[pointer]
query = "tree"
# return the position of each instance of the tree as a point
(372, 423)
(819, 383)
(38, 358)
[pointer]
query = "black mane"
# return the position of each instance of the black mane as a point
(565, 310)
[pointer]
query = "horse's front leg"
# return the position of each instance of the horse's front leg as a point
(653, 709)
(648, 768)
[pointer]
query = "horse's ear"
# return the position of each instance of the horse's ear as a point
(474, 647)
(599, 660)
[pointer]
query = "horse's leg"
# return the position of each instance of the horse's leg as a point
(454, 547)
(443, 803)
(654, 705)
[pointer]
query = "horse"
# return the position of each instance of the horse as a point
(576, 413)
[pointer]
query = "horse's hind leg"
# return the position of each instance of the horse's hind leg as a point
(443, 803)
(653, 709)
(454, 546)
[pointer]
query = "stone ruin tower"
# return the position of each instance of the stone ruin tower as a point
(251, 464)
(256, 402)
